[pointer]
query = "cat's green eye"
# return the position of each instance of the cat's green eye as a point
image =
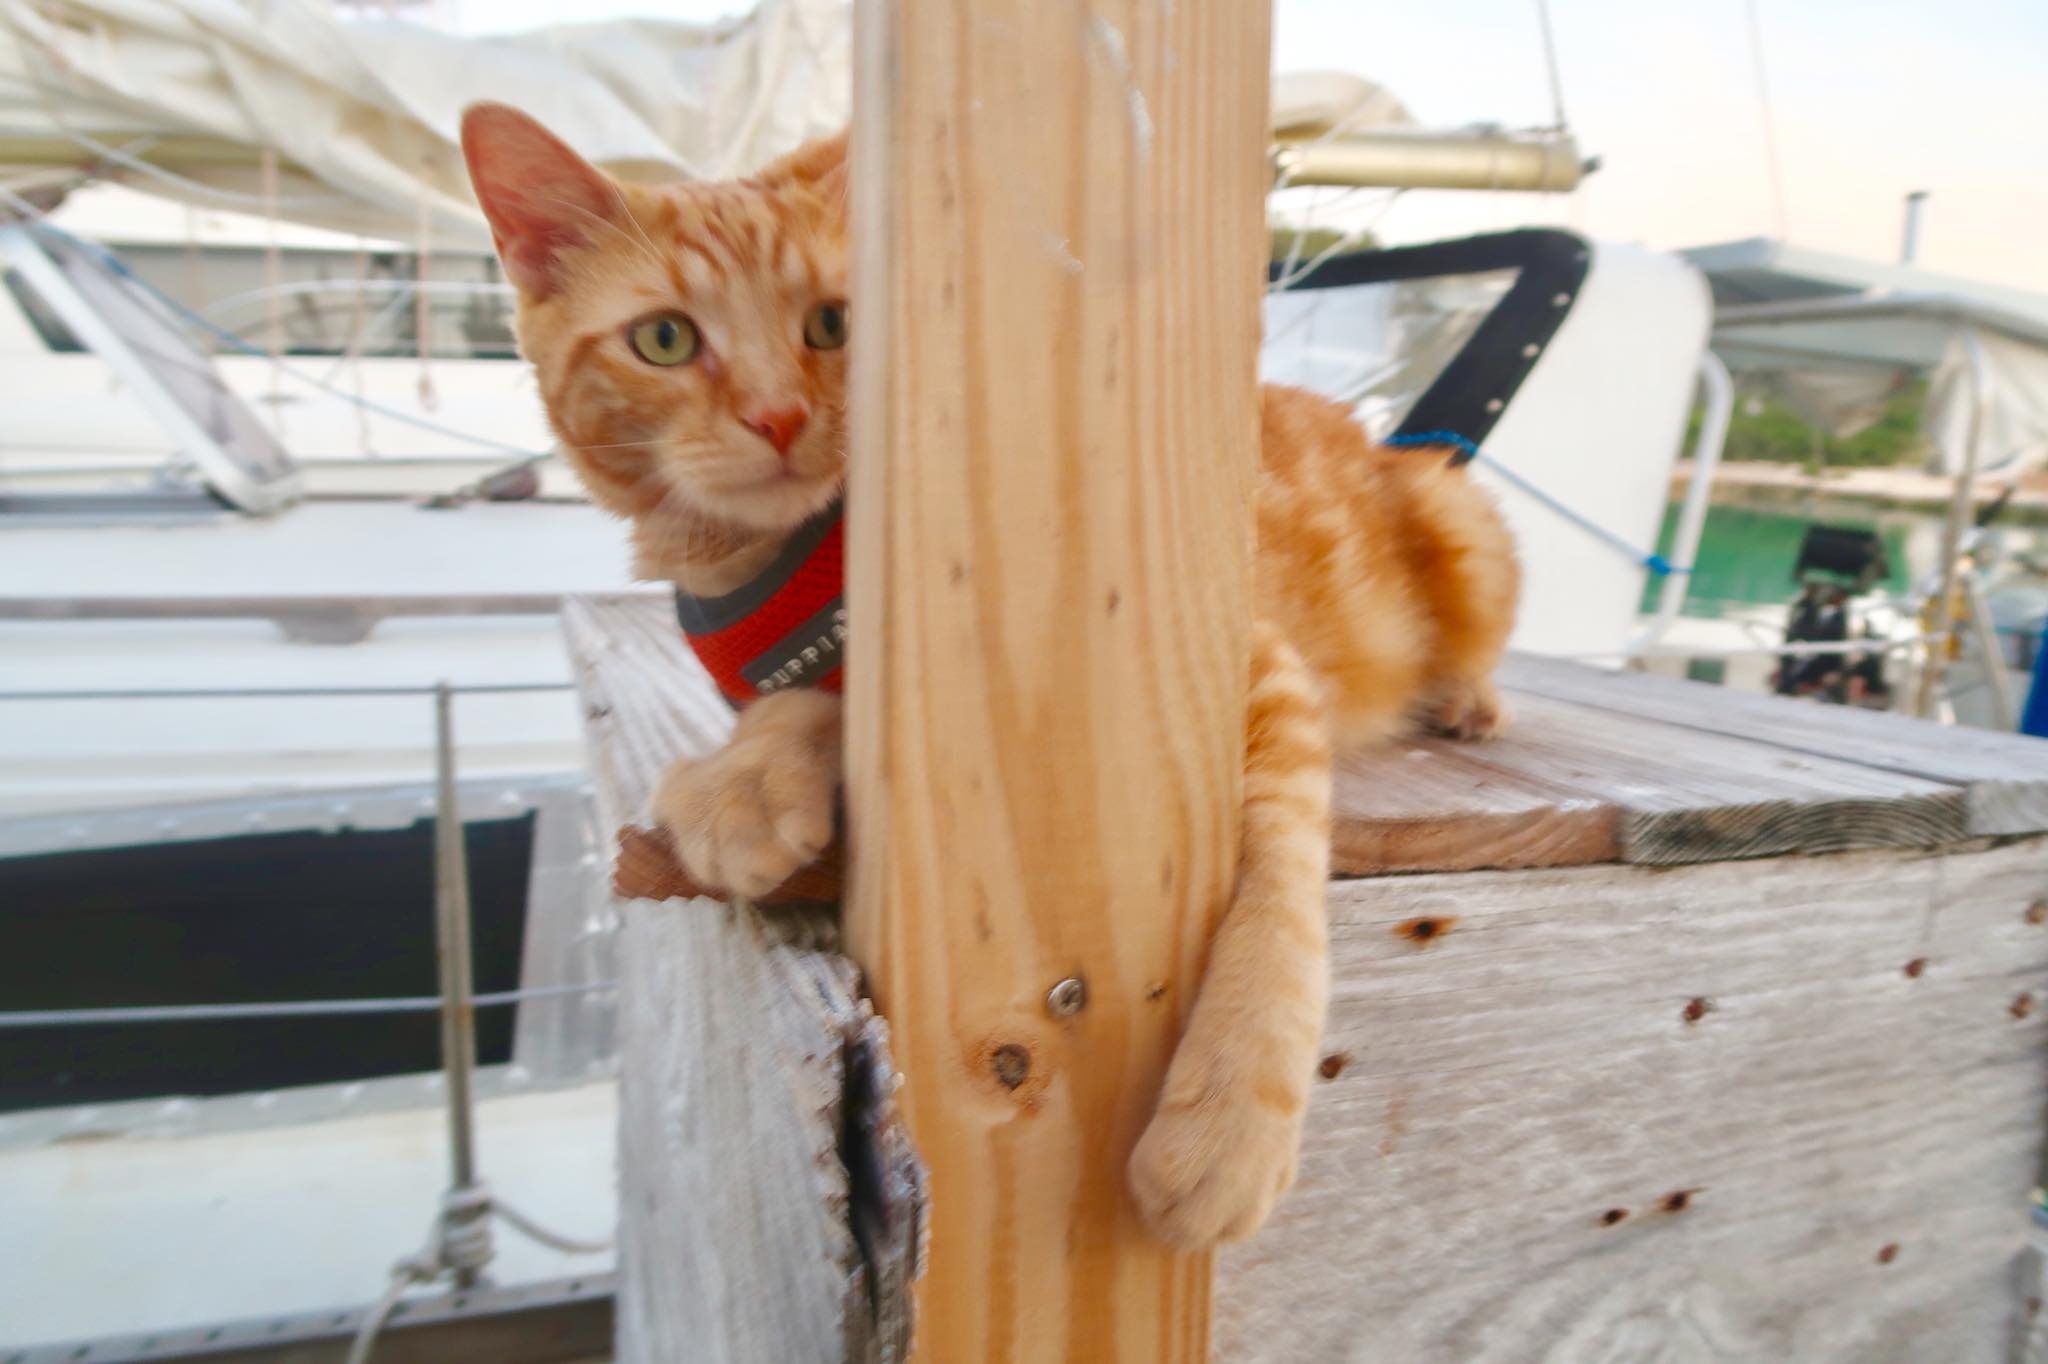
(825, 326)
(670, 339)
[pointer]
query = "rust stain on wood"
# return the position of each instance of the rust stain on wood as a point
(1678, 1200)
(1427, 929)
(1397, 1123)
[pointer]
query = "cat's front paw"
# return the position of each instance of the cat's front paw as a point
(747, 818)
(1471, 710)
(1211, 1165)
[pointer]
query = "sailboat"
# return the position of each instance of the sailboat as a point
(1836, 338)
(267, 481)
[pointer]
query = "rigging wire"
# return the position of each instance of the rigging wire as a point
(523, 458)
(194, 318)
(1770, 122)
(283, 1008)
(186, 185)
(1558, 121)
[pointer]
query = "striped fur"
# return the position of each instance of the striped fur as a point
(1384, 588)
(709, 499)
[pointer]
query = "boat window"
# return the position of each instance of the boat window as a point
(147, 346)
(335, 303)
(50, 327)
(1376, 345)
(1424, 339)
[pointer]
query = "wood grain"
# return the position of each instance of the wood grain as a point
(1434, 805)
(1685, 796)
(2004, 776)
(771, 1206)
(1579, 1043)
(1576, 783)
(1059, 240)
(1598, 767)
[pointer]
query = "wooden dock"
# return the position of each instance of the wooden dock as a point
(1680, 1024)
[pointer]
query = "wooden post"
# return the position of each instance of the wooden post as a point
(1059, 239)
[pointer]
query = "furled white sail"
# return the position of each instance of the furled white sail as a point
(185, 97)
(280, 108)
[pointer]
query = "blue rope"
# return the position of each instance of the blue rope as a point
(1656, 563)
(1467, 449)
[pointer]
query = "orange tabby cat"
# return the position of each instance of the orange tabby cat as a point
(688, 342)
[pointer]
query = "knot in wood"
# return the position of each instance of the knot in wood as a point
(1012, 1064)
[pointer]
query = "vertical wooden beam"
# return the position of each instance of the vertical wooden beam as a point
(1059, 253)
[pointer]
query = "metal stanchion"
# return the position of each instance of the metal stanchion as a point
(467, 1208)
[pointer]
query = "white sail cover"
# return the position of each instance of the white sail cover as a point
(363, 116)
(1837, 358)
(2012, 418)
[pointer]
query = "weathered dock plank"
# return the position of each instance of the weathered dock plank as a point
(775, 1206)
(1776, 1110)
(1574, 782)
(1772, 1102)
(2005, 776)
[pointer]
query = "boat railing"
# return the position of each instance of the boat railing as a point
(1717, 407)
(314, 618)
(458, 1246)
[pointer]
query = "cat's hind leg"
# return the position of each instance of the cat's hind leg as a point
(1467, 708)
(1221, 1146)
(1472, 587)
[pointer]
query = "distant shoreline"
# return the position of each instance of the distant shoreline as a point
(1905, 489)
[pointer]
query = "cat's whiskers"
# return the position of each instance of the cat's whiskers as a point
(638, 239)
(582, 448)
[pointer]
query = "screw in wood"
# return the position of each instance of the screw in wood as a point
(1067, 998)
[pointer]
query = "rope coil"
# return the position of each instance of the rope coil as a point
(458, 1246)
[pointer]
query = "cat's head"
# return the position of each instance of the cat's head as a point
(689, 339)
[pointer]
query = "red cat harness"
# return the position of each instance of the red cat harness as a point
(785, 628)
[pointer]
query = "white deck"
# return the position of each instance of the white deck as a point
(106, 1234)
(94, 754)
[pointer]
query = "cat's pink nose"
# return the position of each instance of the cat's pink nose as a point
(779, 426)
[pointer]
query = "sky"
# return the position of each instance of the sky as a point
(1872, 99)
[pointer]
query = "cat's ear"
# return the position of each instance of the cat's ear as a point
(540, 197)
(818, 165)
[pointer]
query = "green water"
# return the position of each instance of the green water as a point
(1746, 554)
(1747, 551)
